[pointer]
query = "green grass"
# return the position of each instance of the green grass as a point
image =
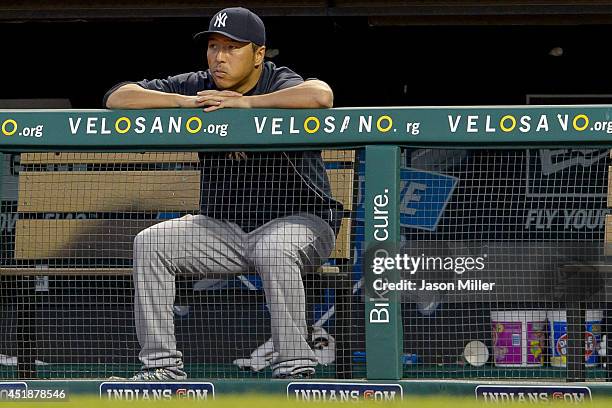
(259, 401)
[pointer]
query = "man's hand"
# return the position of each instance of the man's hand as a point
(221, 99)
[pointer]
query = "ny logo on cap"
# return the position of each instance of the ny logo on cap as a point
(220, 20)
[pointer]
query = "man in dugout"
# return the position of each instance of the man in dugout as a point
(269, 212)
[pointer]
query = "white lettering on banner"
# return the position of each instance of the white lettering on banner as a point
(488, 128)
(137, 394)
(380, 311)
(532, 397)
(156, 391)
(327, 395)
(345, 123)
(382, 215)
(506, 123)
(74, 127)
(342, 395)
(279, 126)
(104, 130)
(471, 124)
(453, 125)
(344, 391)
(563, 121)
(542, 124)
(140, 125)
(157, 126)
(259, 126)
(292, 128)
(365, 124)
(91, 123)
(172, 125)
(532, 394)
(276, 124)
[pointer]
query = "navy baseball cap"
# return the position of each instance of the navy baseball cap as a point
(237, 23)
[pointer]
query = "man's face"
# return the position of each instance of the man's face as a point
(231, 62)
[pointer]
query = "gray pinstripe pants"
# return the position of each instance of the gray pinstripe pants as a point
(278, 251)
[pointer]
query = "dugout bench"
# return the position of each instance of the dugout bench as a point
(118, 195)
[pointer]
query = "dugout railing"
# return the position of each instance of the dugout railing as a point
(433, 185)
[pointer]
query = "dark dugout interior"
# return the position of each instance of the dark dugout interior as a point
(366, 64)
